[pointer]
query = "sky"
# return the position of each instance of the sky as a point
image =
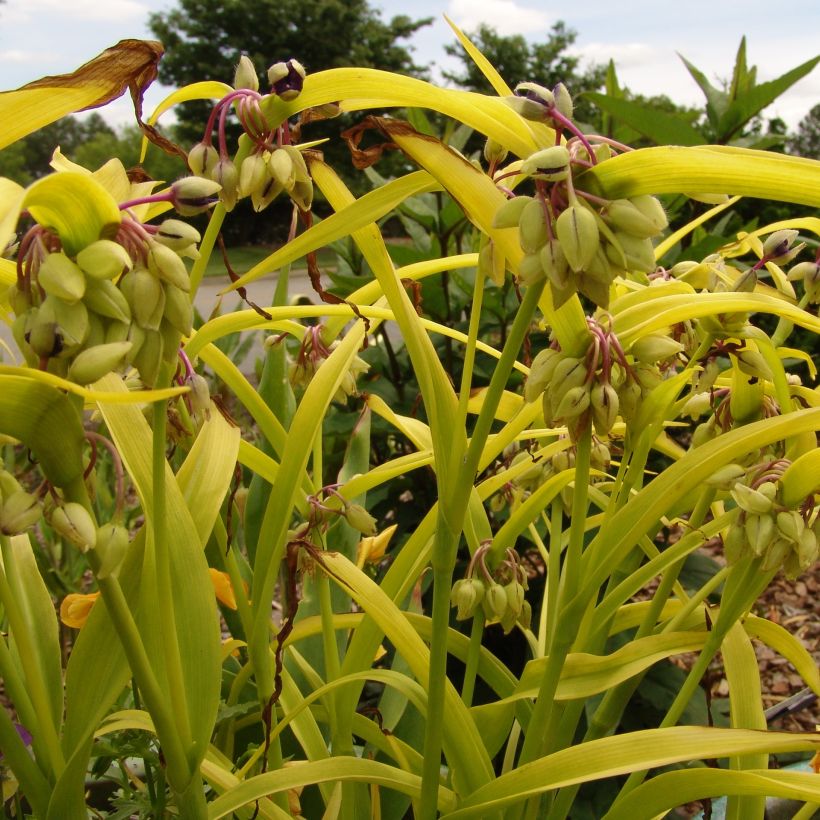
(40, 37)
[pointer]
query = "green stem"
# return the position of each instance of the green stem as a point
(32, 782)
(445, 546)
(473, 655)
(165, 594)
(553, 574)
(469, 349)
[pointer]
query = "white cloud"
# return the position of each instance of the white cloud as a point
(625, 55)
(91, 10)
(15, 55)
(506, 16)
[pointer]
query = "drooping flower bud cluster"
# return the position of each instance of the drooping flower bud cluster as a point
(500, 593)
(579, 243)
(117, 302)
(19, 509)
(312, 353)
(273, 165)
(600, 385)
(768, 529)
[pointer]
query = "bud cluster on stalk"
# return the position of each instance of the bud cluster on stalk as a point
(113, 304)
(600, 385)
(500, 593)
(19, 509)
(312, 354)
(578, 243)
(273, 165)
(767, 529)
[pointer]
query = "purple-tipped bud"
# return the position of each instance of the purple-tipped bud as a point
(193, 195)
(286, 79)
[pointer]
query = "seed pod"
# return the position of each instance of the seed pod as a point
(532, 227)
(105, 298)
(95, 362)
(577, 231)
(60, 277)
(167, 265)
(19, 510)
(75, 524)
(508, 215)
(104, 259)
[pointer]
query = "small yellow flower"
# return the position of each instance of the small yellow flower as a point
(75, 609)
(371, 549)
(223, 588)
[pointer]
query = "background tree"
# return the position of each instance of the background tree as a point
(205, 38)
(806, 142)
(518, 61)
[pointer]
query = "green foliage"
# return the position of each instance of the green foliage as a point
(468, 494)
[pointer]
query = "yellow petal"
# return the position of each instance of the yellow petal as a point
(75, 609)
(223, 588)
(372, 548)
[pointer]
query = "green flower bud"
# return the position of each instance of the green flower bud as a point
(112, 544)
(760, 531)
(177, 235)
(226, 175)
(95, 362)
(105, 298)
(655, 348)
(149, 357)
(61, 277)
(525, 616)
(778, 246)
(360, 519)
(202, 159)
(577, 231)
(281, 168)
(573, 403)
(541, 370)
(563, 100)
(147, 299)
(18, 511)
(515, 597)
(752, 501)
(734, 544)
(791, 525)
(550, 164)
(73, 323)
(168, 266)
(200, 395)
(532, 227)
(530, 270)
(178, 310)
(807, 549)
(286, 79)
(776, 554)
(104, 259)
(245, 75)
(537, 93)
(43, 337)
(194, 195)
(508, 215)
(526, 108)
(604, 402)
(495, 602)
(638, 253)
(752, 363)
(644, 223)
(494, 152)
(75, 524)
